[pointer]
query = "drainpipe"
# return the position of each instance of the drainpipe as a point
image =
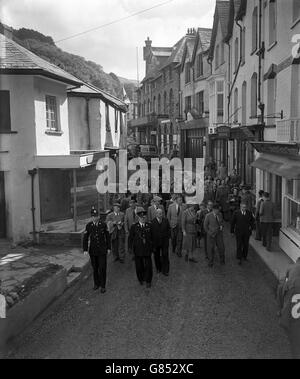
(88, 122)
(261, 56)
(33, 173)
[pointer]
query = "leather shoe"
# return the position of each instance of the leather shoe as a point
(121, 261)
(240, 262)
(148, 285)
(103, 290)
(116, 259)
(186, 258)
(96, 288)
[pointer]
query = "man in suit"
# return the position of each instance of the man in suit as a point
(242, 225)
(140, 242)
(130, 219)
(156, 205)
(96, 243)
(174, 216)
(160, 234)
(213, 226)
(267, 217)
(115, 222)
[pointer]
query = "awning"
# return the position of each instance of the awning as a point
(72, 161)
(285, 167)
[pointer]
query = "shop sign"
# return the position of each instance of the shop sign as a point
(223, 132)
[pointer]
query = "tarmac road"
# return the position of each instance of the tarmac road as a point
(197, 312)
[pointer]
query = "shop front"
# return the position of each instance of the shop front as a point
(278, 172)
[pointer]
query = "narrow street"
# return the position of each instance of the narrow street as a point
(224, 312)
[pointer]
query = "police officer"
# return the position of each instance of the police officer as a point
(96, 243)
(141, 244)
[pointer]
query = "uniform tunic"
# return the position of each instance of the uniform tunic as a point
(141, 244)
(96, 241)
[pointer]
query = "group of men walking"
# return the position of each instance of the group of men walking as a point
(142, 233)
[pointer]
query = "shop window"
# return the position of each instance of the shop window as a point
(5, 124)
(293, 221)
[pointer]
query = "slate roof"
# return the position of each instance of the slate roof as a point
(221, 16)
(14, 58)
(89, 90)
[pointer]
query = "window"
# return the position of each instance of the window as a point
(222, 54)
(171, 73)
(199, 66)
(5, 124)
(159, 104)
(290, 187)
(236, 105)
(171, 102)
(243, 52)
(254, 95)
(296, 10)
(244, 103)
(298, 190)
(272, 22)
(187, 72)
(154, 104)
(236, 54)
(220, 101)
(165, 103)
(188, 104)
(149, 106)
(254, 30)
(293, 221)
(200, 102)
(51, 113)
(217, 56)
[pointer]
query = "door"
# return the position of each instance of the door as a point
(2, 207)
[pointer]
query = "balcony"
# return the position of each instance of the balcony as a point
(288, 130)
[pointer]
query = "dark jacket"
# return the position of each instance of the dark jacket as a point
(242, 224)
(96, 239)
(140, 240)
(267, 211)
(160, 233)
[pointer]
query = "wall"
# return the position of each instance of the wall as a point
(20, 159)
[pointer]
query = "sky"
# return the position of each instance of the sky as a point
(114, 47)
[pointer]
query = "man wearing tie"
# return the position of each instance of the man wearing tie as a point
(152, 210)
(160, 234)
(130, 219)
(174, 216)
(213, 226)
(140, 242)
(242, 225)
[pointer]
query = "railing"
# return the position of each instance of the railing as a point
(288, 130)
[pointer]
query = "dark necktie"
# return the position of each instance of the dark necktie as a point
(178, 211)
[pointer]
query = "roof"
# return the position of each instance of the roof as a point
(89, 90)
(203, 38)
(221, 17)
(15, 59)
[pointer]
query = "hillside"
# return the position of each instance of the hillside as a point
(88, 71)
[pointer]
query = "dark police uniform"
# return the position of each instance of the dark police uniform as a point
(96, 241)
(141, 245)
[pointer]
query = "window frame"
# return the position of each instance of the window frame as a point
(255, 30)
(7, 120)
(272, 22)
(55, 112)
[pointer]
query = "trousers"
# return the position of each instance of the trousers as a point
(213, 243)
(144, 270)
(161, 258)
(242, 245)
(99, 264)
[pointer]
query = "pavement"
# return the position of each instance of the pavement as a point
(196, 312)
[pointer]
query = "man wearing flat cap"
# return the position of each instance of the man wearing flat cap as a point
(141, 244)
(115, 223)
(96, 243)
(153, 209)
